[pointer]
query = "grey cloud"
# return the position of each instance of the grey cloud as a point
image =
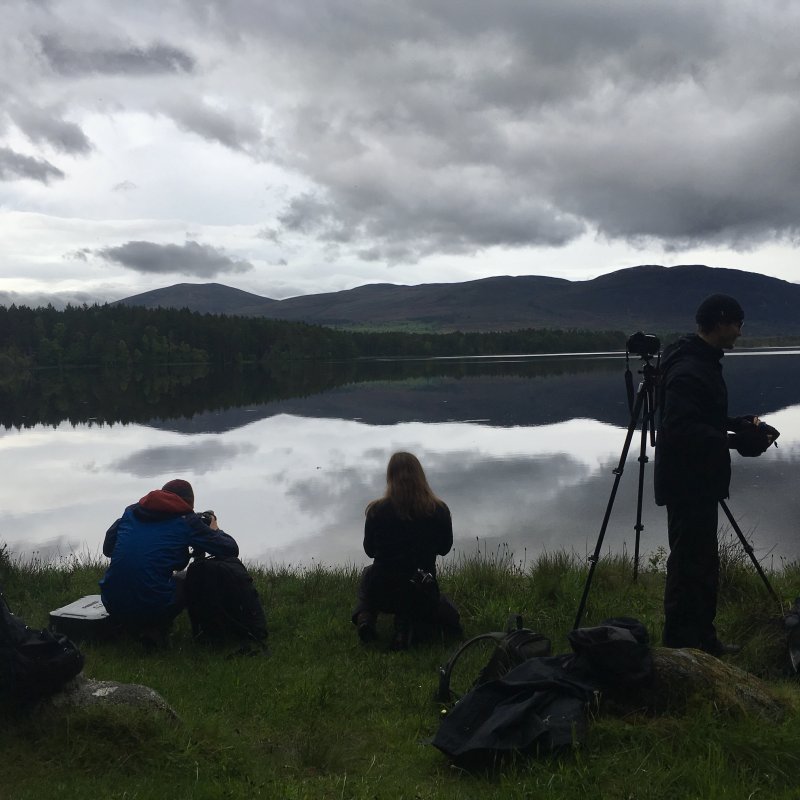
(459, 126)
(154, 59)
(14, 166)
(221, 126)
(82, 254)
(124, 186)
(191, 258)
(41, 125)
(200, 457)
(450, 127)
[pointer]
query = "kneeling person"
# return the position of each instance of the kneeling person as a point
(404, 531)
(147, 546)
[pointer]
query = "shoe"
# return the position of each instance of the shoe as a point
(365, 626)
(719, 649)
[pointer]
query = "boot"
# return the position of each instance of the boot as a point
(365, 626)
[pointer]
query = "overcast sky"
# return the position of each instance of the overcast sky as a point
(295, 146)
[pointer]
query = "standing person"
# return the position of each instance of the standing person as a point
(693, 469)
(404, 531)
(147, 546)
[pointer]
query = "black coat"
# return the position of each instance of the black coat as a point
(692, 457)
(406, 545)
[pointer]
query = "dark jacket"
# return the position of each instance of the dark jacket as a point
(692, 457)
(406, 545)
(146, 545)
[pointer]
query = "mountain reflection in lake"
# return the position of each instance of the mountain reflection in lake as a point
(522, 450)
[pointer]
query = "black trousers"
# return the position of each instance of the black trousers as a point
(388, 592)
(690, 595)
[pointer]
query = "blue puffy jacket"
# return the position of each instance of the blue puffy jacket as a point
(146, 545)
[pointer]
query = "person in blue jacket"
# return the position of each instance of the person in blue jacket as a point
(148, 547)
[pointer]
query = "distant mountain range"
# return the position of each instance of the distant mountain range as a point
(650, 298)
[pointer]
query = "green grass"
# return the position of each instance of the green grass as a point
(325, 717)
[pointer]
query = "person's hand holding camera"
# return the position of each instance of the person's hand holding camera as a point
(753, 438)
(210, 519)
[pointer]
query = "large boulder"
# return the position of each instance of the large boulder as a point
(686, 679)
(82, 692)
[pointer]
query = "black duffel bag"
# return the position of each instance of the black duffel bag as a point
(33, 663)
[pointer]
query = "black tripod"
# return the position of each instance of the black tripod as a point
(642, 405)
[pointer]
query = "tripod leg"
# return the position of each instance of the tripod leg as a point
(638, 527)
(620, 468)
(749, 550)
(648, 426)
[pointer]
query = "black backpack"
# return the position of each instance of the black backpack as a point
(512, 646)
(222, 602)
(33, 663)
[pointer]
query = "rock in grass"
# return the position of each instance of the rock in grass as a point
(81, 692)
(686, 679)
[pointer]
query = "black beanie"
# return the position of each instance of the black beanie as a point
(181, 488)
(719, 308)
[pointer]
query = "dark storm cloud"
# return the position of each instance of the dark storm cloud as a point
(191, 258)
(14, 166)
(154, 59)
(456, 126)
(453, 126)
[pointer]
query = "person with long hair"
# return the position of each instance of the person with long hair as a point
(404, 531)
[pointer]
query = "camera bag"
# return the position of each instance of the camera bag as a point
(512, 646)
(222, 602)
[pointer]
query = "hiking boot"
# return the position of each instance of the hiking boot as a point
(365, 627)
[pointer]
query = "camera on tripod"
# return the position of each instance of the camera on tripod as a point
(644, 345)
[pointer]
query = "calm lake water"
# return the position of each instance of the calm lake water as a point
(521, 448)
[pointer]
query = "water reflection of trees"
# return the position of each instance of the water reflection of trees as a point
(51, 397)
(505, 391)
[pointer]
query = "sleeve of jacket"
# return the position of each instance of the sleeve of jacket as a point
(369, 535)
(215, 543)
(445, 542)
(111, 540)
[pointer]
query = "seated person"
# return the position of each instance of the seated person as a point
(404, 532)
(147, 546)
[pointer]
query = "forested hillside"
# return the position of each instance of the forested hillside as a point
(129, 335)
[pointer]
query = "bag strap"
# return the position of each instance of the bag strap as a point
(445, 694)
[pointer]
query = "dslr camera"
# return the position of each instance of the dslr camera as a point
(644, 345)
(207, 516)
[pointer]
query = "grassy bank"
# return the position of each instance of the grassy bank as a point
(327, 717)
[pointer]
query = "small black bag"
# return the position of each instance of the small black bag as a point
(33, 663)
(512, 646)
(222, 602)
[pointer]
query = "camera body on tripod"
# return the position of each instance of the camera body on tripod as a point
(644, 345)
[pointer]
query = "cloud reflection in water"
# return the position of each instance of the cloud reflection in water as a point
(293, 489)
